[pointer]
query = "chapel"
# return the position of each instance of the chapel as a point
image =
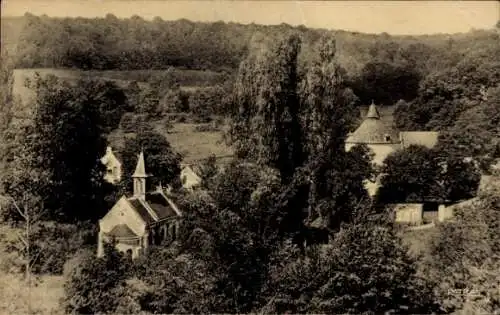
(141, 220)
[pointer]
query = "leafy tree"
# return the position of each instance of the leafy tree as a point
(178, 282)
(475, 133)
(233, 229)
(464, 258)
(266, 94)
(148, 103)
(208, 170)
(162, 162)
(328, 114)
(65, 142)
(418, 174)
(381, 82)
(175, 101)
(364, 269)
(92, 285)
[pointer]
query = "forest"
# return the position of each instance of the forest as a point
(290, 96)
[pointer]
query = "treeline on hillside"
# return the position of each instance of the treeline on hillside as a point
(382, 68)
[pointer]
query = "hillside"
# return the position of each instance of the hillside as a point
(443, 79)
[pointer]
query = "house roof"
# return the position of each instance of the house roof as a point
(109, 157)
(122, 231)
(374, 130)
(191, 171)
(426, 138)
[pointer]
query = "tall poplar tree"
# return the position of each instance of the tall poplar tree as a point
(267, 126)
(328, 112)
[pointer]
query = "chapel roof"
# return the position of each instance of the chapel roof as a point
(162, 207)
(373, 130)
(141, 210)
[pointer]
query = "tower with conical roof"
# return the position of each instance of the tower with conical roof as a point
(377, 134)
(139, 177)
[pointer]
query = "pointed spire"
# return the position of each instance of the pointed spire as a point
(373, 112)
(140, 169)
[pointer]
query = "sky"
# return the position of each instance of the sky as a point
(393, 17)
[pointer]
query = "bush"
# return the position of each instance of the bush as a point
(52, 244)
(95, 285)
(365, 269)
(58, 242)
(206, 128)
(465, 255)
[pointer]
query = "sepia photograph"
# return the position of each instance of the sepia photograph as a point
(249, 157)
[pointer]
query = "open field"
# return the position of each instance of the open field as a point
(191, 144)
(195, 145)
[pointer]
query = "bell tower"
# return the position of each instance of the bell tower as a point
(139, 177)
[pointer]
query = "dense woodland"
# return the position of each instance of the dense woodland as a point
(291, 95)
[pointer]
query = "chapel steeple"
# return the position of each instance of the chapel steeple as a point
(139, 177)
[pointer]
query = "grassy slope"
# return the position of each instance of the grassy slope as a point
(42, 298)
(15, 297)
(196, 145)
(193, 145)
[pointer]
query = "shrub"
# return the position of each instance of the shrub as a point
(205, 128)
(465, 255)
(95, 285)
(365, 269)
(58, 242)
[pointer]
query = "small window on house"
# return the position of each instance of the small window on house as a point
(183, 179)
(387, 138)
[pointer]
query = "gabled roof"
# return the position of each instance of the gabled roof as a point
(141, 209)
(110, 157)
(161, 205)
(155, 207)
(122, 231)
(191, 171)
(425, 138)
